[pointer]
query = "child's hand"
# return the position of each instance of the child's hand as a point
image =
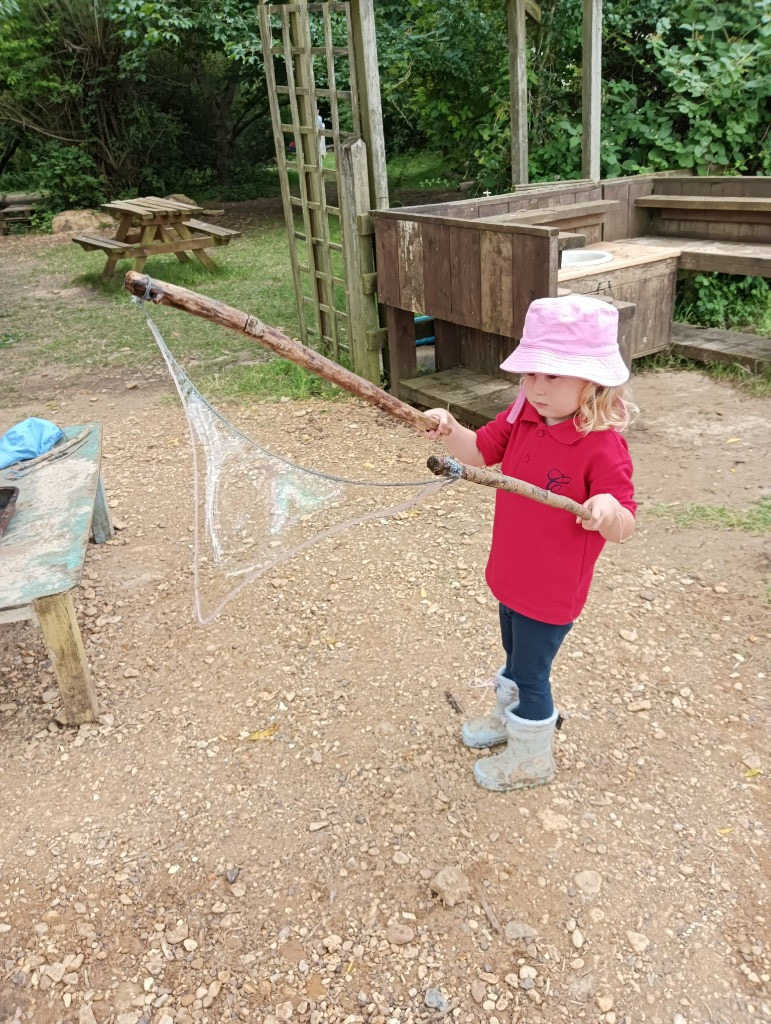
(605, 511)
(444, 426)
(609, 517)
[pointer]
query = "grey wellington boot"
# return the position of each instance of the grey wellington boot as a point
(489, 730)
(527, 760)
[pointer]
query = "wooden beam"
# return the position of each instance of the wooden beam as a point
(518, 90)
(591, 68)
(370, 104)
(359, 257)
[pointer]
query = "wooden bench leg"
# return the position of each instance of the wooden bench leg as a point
(110, 266)
(65, 645)
(200, 254)
(101, 522)
(167, 236)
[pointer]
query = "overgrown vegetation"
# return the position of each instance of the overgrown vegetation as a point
(726, 301)
(105, 97)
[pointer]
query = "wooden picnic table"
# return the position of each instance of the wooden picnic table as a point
(61, 502)
(151, 226)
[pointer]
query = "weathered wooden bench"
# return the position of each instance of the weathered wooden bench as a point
(712, 256)
(744, 220)
(586, 217)
(61, 502)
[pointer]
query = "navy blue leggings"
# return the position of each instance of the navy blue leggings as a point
(531, 646)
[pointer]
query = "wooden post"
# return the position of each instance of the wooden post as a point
(518, 91)
(62, 636)
(370, 104)
(359, 258)
(591, 101)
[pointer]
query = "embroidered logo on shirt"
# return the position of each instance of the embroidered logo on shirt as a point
(556, 480)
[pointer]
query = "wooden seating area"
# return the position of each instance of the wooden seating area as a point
(152, 226)
(474, 266)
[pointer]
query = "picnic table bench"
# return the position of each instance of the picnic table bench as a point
(151, 226)
(60, 503)
(17, 208)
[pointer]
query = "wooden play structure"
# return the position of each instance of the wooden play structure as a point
(475, 266)
(472, 267)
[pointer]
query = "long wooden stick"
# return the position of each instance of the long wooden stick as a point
(444, 465)
(160, 292)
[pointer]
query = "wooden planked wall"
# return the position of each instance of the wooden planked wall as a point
(651, 287)
(472, 273)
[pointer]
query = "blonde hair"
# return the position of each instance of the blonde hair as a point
(604, 408)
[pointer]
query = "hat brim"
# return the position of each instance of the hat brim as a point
(608, 372)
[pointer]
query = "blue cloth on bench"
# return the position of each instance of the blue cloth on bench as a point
(27, 440)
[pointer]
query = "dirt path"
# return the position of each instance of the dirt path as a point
(163, 867)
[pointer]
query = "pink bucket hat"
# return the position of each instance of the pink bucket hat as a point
(571, 336)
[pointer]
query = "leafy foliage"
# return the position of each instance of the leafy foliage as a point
(111, 97)
(725, 301)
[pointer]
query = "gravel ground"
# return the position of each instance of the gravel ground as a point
(274, 819)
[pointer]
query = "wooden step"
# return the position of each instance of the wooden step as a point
(711, 345)
(473, 398)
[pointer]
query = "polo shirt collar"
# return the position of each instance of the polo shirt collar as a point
(564, 432)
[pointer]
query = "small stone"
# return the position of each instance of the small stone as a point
(478, 990)
(450, 885)
(638, 941)
(630, 635)
(752, 761)
(177, 934)
(401, 858)
(577, 938)
(679, 1019)
(553, 822)
(400, 934)
(332, 943)
(238, 890)
(131, 673)
(284, 1011)
(639, 705)
(516, 930)
(436, 1001)
(589, 882)
(316, 826)
(604, 1003)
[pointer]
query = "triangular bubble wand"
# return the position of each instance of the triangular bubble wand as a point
(161, 293)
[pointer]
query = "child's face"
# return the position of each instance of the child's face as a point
(555, 398)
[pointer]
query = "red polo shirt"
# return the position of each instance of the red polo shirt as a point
(541, 561)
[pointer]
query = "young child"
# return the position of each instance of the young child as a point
(562, 434)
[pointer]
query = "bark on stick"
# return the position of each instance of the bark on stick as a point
(444, 465)
(160, 292)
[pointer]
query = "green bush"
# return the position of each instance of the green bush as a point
(725, 301)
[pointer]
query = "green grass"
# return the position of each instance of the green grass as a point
(420, 171)
(756, 384)
(69, 316)
(755, 519)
